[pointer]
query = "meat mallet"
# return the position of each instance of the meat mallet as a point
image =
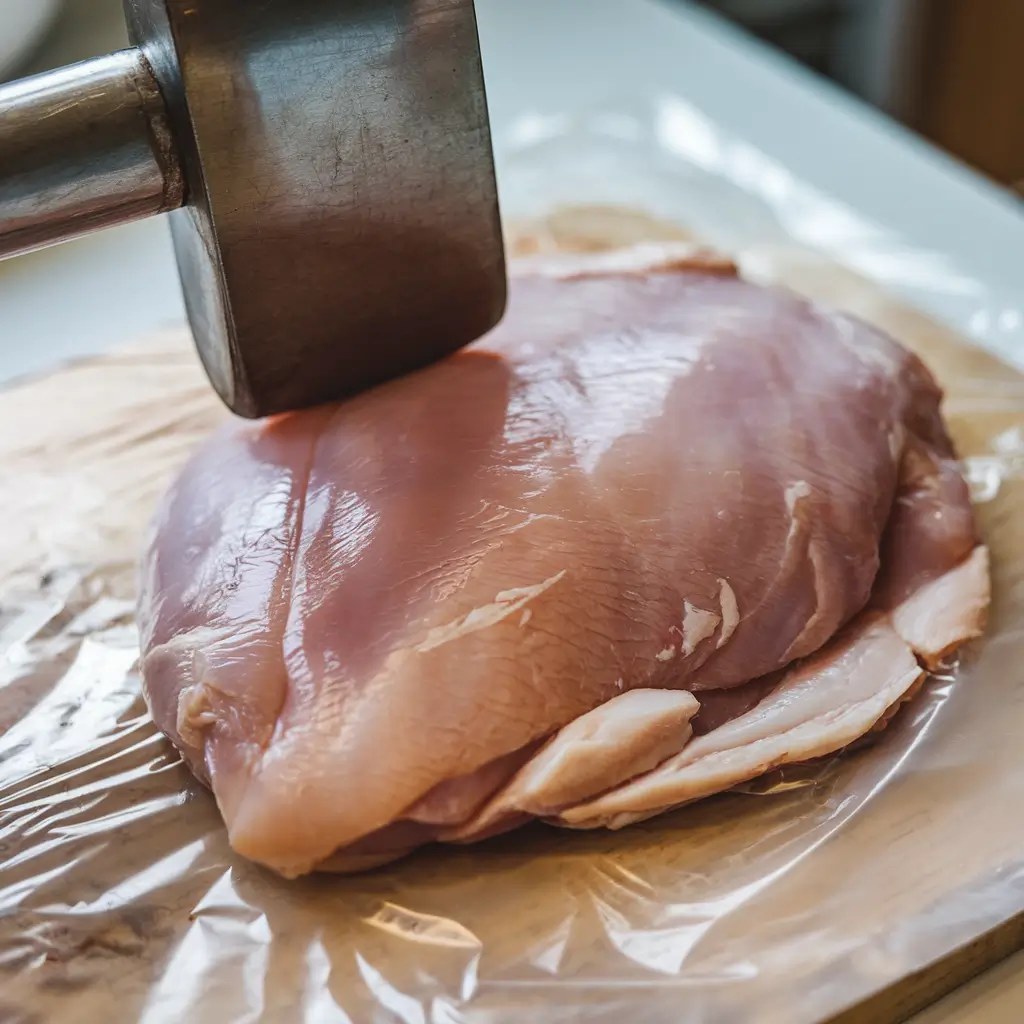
(328, 171)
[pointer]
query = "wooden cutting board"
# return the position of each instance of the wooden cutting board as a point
(898, 875)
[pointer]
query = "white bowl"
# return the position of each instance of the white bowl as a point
(22, 26)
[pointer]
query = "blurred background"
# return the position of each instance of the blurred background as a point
(952, 70)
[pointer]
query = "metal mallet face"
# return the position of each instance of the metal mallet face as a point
(330, 170)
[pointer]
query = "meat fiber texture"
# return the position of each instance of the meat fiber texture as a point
(662, 531)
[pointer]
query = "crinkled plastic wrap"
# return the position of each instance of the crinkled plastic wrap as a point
(805, 894)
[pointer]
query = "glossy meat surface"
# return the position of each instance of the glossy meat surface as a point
(360, 623)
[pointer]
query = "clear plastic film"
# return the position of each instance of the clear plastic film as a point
(802, 895)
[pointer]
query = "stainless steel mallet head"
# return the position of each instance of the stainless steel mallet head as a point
(328, 169)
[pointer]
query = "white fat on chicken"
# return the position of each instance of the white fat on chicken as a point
(730, 612)
(698, 626)
(507, 603)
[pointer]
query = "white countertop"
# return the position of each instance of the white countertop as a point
(552, 56)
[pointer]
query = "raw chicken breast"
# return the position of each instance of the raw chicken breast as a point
(570, 573)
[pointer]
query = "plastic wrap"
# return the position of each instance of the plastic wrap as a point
(805, 894)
